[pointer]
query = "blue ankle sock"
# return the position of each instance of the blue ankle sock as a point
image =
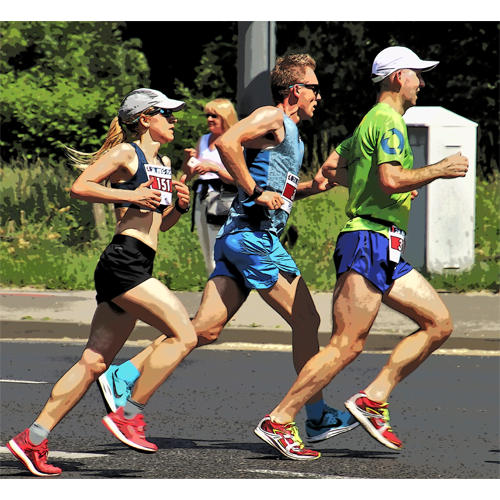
(128, 372)
(315, 410)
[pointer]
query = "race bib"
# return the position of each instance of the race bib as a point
(289, 191)
(162, 181)
(396, 243)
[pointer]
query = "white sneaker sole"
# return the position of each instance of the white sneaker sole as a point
(353, 408)
(107, 393)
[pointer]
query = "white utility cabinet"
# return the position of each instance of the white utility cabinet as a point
(442, 218)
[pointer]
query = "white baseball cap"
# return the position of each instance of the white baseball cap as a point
(396, 58)
(141, 99)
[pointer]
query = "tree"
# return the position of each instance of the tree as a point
(63, 82)
(215, 78)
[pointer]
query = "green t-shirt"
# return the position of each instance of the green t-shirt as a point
(381, 137)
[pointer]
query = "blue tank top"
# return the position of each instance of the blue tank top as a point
(140, 177)
(270, 169)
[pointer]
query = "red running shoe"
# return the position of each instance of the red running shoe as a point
(129, 431)
(285, 438)
(34, 458)
(374, 417)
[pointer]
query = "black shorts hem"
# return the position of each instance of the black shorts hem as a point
(125, 263)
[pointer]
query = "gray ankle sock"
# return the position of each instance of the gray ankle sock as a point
(132, 408)
(38, 433)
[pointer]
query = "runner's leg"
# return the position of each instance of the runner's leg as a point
(221, 300)
(414, 297)
(156, 305)
(109, 330)
(291, 298)
(355, 306)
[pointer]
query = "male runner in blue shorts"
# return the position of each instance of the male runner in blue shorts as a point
(370, 269)
(263, 153)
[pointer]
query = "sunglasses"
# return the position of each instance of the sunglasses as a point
(167, 113)
(314, 87)
(211, 115)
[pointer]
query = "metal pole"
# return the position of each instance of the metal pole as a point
(256, 58)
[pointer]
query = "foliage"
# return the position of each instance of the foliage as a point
(211, 82)
(63, 82)
(315, 223)
(38, 193)
(49, 239)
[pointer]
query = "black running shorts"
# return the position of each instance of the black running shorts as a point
(126, 263)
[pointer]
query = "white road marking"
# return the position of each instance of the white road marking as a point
(247, 346)
(23, 381)
(296, 474)
(61, 454)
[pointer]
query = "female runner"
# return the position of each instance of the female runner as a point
(141, 189)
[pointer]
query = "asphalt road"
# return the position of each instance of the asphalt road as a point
(202, 419)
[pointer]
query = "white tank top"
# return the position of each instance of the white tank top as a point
(206, 154)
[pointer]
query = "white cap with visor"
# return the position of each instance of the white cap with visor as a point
(396, 58)
(142, 99)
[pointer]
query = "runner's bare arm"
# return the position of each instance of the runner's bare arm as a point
(394, 179)
(88, 188)
(335, 169)
(250, 132)
(319, 184)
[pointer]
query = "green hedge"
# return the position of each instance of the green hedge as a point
(49, 240)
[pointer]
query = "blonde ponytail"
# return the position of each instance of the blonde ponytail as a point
(116, 135)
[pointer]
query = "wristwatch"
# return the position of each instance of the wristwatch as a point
(182, 210)
(257, 191)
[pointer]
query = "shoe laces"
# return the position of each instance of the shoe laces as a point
(43, 451)
(331, 411)
(292, 428)
(384, 413)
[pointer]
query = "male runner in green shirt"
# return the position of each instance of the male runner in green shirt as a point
(376, 163)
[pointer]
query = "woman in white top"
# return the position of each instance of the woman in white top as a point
(213, 176)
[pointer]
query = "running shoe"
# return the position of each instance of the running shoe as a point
(114, 390)
(285, 438)
(332, 423)
(129, 431)
(33, 457)
(374, 417)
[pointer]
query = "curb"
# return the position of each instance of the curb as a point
(376, 340)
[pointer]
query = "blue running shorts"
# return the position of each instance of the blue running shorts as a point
(253, 259)
(367, 253)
